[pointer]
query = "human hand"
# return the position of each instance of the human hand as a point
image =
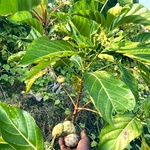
(84, 143)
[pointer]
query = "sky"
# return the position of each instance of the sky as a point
(146, 3)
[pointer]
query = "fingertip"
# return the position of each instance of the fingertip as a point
(83, 133)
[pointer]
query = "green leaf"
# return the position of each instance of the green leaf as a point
(77, 60)
(134, 50)
(133, 13)
(126, 128)
(83, 5)
(19, 129)
(143, 37)
(148, 123)
(129, 80)
(43, 48)
(9, 6)
(81, 30)
(35, 24)
(93, 15)
(108, 94)
(112, 14)
(16, 57)
(29, 82)
(145, 107)
(144, 144)
(42, 65)
(21, 15)
(81, 25)
(6, 67)
(124, 2)
(26, 17)
(144, 70)
(4, 145)
(82, 41)
(33, 34)
(60, 15)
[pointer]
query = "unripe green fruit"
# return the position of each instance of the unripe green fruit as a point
(68, 127)
(58, 130)
(64, 128)
(71, 140)
(60, 79)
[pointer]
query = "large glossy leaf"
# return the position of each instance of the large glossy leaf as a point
(129, 79)
(84, 5)
(33, 22)
(143, 37)
(112, 14)
(108, 94)
(81, 29)
(76, 32)
(43, 48)
(81, 25)
(19, 129)
(126, 128)
(9, 6)
(93, 15)
(21, 15)
(26, 17)
(134, 50)
(133, 13)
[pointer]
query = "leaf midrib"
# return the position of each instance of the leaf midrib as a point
(23, 135)
(104, 90)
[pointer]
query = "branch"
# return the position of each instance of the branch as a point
(37, 16)
(79, 109)
(87, 103)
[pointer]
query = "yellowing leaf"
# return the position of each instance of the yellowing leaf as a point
(30, 81)
(126, 128)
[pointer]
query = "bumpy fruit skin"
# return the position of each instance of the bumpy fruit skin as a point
(68, 127)
(57, 130)
(71, 140)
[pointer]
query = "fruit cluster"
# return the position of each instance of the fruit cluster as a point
(66, 129)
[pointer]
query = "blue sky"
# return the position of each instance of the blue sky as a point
(145, 3)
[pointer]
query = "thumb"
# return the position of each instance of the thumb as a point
(83, 134)
(84, 143)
